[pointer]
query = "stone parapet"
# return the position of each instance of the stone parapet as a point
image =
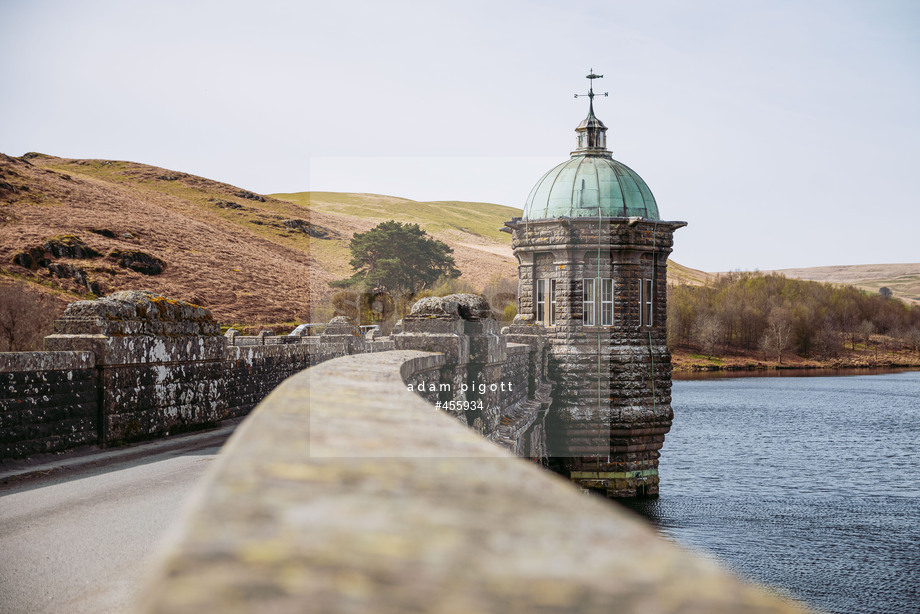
(17, 362)
(478, 375)
(134, 366)
(136, 312)
(344, 492)
(48, 402)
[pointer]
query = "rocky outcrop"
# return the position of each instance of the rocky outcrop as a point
(32, 258)
(64, 246)
(228, 204)
(69, 246)
(140, 262)
(69, 271)
(249, 195)
(307, 228)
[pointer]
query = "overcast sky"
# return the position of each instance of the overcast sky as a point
(786, 133)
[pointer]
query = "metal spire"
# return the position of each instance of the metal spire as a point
(591, 76)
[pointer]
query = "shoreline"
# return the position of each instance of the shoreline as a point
(688, 363)
(687, 376)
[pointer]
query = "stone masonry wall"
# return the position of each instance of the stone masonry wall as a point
(611, 400)
(135, 366)
(486, 383)
(372, 502)
(48, 402)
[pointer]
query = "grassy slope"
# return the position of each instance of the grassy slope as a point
(902, 279)
(478, 219)
(679, 274)
(242, 263)
(471, 229)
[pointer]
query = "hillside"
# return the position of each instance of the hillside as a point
(679, 274)
(902, 279)
(217, 245)
(470, 229)
(112, 225)
(98, 226)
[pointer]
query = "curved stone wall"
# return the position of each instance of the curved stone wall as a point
(345, 492)
(612, 399)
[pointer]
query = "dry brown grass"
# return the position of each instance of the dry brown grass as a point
(236, 262)
(215, 257)
(902, 279)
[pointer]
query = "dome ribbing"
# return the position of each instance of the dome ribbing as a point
(590, 186)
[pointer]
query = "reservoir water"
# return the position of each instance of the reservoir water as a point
(810, 484)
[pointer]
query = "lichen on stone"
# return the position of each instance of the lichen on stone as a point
(136, 312)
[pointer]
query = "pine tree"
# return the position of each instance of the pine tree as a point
(397, 258)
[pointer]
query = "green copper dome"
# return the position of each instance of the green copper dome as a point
(584, 184)
(591, 183)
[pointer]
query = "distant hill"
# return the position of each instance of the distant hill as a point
(902, 279)
(470, 229)
(250, 258)
(244, 256)
(679, 274)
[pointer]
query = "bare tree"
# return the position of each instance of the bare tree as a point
(827, 341)
(710, 332)
(26, 317)
(866, 330)
(911, 337)
(778, 335)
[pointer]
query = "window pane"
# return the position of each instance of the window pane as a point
(541, 300)
(552, 302)
(607, 302)
(646, 302)
(588, 302)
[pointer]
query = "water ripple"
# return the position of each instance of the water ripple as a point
(809, 484)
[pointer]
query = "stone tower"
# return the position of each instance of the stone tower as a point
(592, 254)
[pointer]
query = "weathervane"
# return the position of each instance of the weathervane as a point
(590, 93)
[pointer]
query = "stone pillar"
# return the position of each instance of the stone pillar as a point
(525, 330)
(343, 330)
(434, 325)
(159, 362)
(487, 355)
(462, 328)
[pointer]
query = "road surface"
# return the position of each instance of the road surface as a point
(80, 542)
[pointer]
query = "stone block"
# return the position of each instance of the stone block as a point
(136, 312)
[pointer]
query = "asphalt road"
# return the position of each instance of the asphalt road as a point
(80, 542)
